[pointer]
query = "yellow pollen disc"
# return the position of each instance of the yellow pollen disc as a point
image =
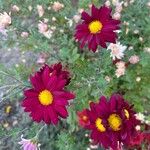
(45, 97)
(126, 113)
(95, 26)
(84, 118)
(99, 125)
(115, 122)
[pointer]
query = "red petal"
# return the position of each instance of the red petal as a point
(86, 17)
(62, 111)
(53, 115)
(46, 75)
(30, 93)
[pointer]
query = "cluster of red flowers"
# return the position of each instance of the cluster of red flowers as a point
(112, 122)
(47, 99)
(142, 137)
(97, 29)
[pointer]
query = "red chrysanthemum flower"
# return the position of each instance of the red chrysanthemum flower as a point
(57, 69)
(83, 119)
(97, 29)
(137, 140)
(112, 122)
(47, 100)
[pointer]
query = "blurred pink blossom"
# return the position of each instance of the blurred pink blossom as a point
(120, 65)
(120, 72)
(28, 144)
(80, 10)
(107, 3)
(57, 6)
(134, 59)
(5, 20)
(116, 16)
(15, 8)
(117, 50)
(90, 6)
(118, 7)
(43, 27)
(40, 10)
(76, 18)
(42, 58)
(120, 68)
(24, 34)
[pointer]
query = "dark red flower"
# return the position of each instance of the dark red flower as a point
(57, 69)
(83, 119)
(97, 29)
(112, 122)
(47, 100)
(147, 137)
(136, 140)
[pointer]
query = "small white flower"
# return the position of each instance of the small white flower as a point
(140, 117)
(76, 18)
(15, 8)
(138, 128)
(48, 34)
(138, 79)
(107, 78)
(117, 50)
(40, 10)
(147, 49)
(107, 3)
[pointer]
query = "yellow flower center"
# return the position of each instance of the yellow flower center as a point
(99, 125)
(115, 122)
(126, 113)
(95, 26)
(45, 97)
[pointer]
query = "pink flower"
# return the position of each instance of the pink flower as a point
(120, 65)
(57, 6)
(118, 7)
(42, 58)
(24, 34)
(80, 10)
(120, 68)
(117, 16)
(120, 72)
(134, 59)
(15, 8)
(5, 20)
(117, 50)
(107, 3)
(43, 27)
(40, 10)
(28, 144)
(107, 78)
(76, 18)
